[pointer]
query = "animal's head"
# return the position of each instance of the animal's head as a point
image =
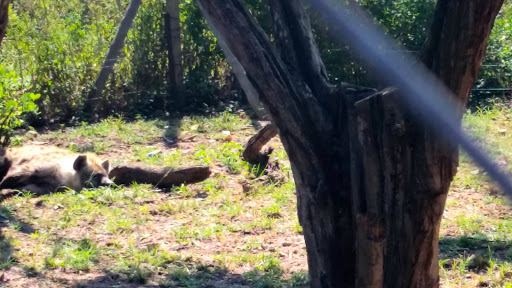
(92, 172)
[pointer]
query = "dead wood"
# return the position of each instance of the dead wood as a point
(162, 177)
(252, 149)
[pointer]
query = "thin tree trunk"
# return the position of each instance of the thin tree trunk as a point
(94, 98)
(4, 18)
(372, 208)
(173, 36)
(249, 90)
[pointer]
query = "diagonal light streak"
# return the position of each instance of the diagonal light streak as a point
(421, 90)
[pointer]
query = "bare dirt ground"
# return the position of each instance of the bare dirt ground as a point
(233, 230)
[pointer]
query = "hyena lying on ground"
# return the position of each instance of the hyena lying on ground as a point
(44, 169)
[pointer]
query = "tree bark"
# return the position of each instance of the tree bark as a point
(94, 97)
(252, 149)
(173, 33)
(4, 18)
(371, 210)
(450, 48)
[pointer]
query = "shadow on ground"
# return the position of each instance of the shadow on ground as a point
(7, 218)
(455, 247)
(198, 276)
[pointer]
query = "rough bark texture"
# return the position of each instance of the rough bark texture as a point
(162, 177)
(371, 182)
(4, 18)
(252, 149)
(94, 97)
(173, 27)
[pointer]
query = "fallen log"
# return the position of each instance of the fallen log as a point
(161, 177)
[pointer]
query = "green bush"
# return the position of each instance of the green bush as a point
(56, 49)
(496, 73)
(407, 21)
(58, 46)
(14, 102)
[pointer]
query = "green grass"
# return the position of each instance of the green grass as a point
(6, 257)
(146, 236)
(476, 229)
(226, 121)
(235, 228)
(75, 255)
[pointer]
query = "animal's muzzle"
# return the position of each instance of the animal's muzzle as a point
(106, 182)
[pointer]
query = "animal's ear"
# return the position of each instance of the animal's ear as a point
(106, 165)
(80, 162)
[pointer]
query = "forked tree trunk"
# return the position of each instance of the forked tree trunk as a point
(94, 97)
(371, 182)
(4, 18)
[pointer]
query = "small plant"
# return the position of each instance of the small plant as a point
(267, 273)
(471, 225)
(272, 211)
(296, 227)
(299, 279)
(6, 257)
(231, 157)
(139, 264)
(202, 157)
(78, 256)
(119, 224)
(5, 212)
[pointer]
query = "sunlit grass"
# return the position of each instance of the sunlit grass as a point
(195, 234)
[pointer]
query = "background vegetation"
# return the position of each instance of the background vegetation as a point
(234, 228)
(55, 49)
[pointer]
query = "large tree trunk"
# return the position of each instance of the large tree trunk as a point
(4, 18)
(371, 181)
(173, 35)
(94, 97)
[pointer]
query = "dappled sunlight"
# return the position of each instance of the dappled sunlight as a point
(235, 227)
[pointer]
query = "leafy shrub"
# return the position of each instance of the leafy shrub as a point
(56, 49)
(13, 103)
(496, 73)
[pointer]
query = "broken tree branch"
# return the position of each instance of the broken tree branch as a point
(161, 177)
(252, 149)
